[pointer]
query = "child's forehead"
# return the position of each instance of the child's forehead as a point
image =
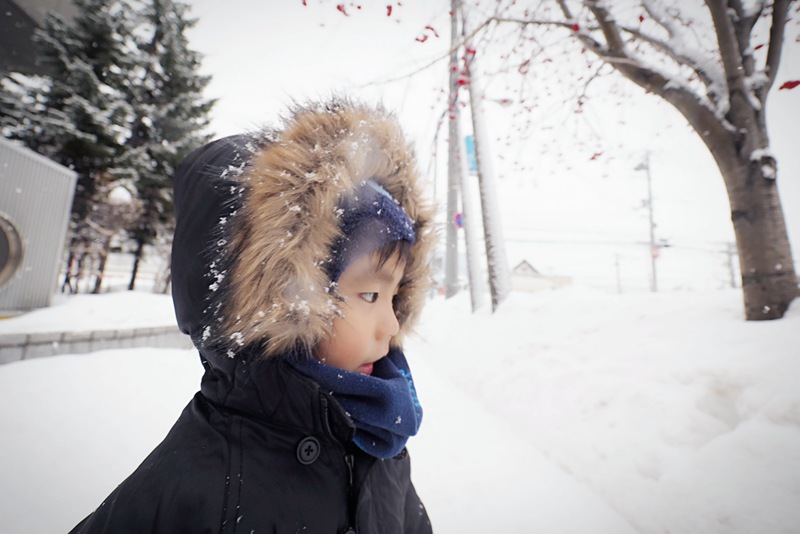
(370, 267)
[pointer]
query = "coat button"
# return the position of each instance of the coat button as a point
(308, 450)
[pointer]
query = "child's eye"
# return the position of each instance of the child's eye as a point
(369, 297)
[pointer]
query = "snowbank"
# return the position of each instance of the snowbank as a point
(567, 411)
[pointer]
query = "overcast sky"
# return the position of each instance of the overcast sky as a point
(264, 57)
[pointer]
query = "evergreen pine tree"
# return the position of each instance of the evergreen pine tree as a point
(122, 104)
(79, 114)
(14, 105)
(76, 115)
(170, 115)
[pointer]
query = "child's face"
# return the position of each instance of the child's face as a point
(362, 336)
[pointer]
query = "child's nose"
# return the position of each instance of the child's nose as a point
(389, 326)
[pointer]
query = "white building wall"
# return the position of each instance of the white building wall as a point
(36, 198)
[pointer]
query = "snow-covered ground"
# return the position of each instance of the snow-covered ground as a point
(566, 411)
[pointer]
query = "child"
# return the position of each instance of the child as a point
(299, 263)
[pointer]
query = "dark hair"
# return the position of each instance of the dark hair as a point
(401, 247)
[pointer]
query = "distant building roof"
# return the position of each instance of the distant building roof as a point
(525, 268)
(525, 277)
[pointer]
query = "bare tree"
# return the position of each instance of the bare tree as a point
(109, 220)
(709, 62)
(713, 61)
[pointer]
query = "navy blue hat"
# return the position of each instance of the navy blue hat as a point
(370, 219)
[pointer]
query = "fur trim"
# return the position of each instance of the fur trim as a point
(278, 291)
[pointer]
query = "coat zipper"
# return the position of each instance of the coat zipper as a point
(326, 417)
(349, 460)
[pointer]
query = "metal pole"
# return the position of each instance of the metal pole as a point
(653, 249)
(731, 251)
(453, 164)
(499, 275)
(471, 236)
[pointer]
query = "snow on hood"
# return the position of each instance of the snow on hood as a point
(256, 216)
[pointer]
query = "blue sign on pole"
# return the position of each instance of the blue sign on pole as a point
(472, 160)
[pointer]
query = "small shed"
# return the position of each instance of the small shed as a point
(525, 277)
(35, 202)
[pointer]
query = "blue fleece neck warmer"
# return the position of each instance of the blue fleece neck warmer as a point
(383, 406)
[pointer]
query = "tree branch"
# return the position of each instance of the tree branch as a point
(565, 10)
(658, 18)
(609, 28)
(728, 47)
(706, 69)
(743, 24)
(701, 117)
(587, 40)
(537, 22)
(749, 19)
(668, 50)
(432, 63)
(691, 105)
(780, 11)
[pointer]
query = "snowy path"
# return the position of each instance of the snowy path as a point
(672, 408)
(81, 423)
(568, 411)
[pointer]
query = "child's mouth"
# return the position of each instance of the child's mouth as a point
(365, 369)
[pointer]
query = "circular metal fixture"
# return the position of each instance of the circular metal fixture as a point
(10, 250)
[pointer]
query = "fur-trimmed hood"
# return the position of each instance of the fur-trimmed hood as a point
(257, 215)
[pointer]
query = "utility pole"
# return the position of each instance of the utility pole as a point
(499, 274)
(469, 217)
(453, 164)
(654, 249)
(731, 252)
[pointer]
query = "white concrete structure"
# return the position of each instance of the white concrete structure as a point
(35, 202)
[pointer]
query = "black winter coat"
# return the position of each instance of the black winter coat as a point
(279, 460)
(260, 448)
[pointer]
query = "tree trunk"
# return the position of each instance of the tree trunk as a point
(101, 269)
(136, 257)
(79, 271)
(67, 284)
(165, 281)
(733, 128)
(769, 282)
